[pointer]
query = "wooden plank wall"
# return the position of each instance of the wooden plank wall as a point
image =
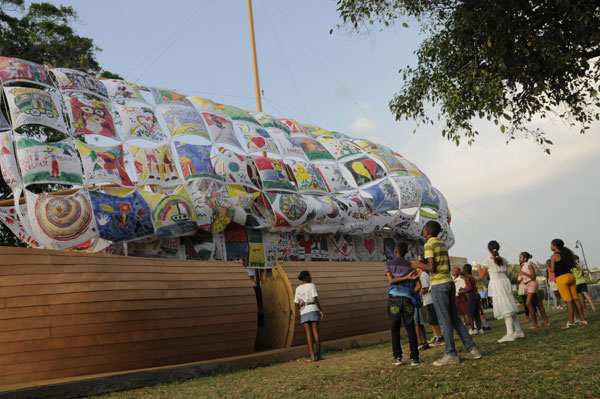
(65, 314)
(353, 296)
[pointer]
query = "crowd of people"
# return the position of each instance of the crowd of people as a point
(429, 291)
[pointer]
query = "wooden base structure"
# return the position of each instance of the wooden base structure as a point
(65, 314)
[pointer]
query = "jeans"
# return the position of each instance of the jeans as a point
(402, 309)
(443, 297)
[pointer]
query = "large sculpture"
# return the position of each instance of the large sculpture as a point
(161, 174)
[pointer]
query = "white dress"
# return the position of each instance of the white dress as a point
(500, 289)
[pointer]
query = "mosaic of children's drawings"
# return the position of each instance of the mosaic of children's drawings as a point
(156, 173)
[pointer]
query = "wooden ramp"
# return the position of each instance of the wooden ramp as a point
(353, 296)
(66, 314)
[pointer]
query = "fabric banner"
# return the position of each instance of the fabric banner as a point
(257, 138)
(341, 248)
(122, 218)
(356, 217)
(17, 70)
(268, 121)
(221, 129)
(29, 106)
(232, 167)
(103, 164)
(340, 148)
(74, 80)
(364, 170)
(60, 222)
(140, 123)
(238, 114)
(164, 96)
(382, 195)
(278, 248)
(91, 116)
(236, 243)
(198, 246)
(172, 214)
(194, 160)
(160, 248)
(182, 119)
(121, 91)
(4, 125)
(155, 165)
(291, 212)
(48, 162)
(390, 161)
(368, 248)
(295, 128)
(212, 207)
(272, 174)
(8, 162)
(313, 149)
(332, 177)
(370, 146)
(312, 248)
(285, 146)
(256, 249)
(219, 243)
(11, 219)
(307, 178)
(318, 132)
(327, 218)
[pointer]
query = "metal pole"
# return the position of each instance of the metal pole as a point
(583, 252)
(254, 60)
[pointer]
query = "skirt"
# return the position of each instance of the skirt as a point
(504, 302)
(310, 316)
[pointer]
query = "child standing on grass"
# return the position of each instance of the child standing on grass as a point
(311, 313)
(420, 316)
(461, 296)
(443, 293)
(581, 286)
(532, 301)
(432, 319)
(473, 300)
(500, 289)
(400, 303)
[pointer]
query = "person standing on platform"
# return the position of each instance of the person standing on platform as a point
(443, 293)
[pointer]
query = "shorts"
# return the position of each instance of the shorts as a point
(461, 304)
(310, 316)
(553, 286)
(581, 288)
(432, 316)
(566, 287)
(531, 287)
(419, 317)
(473, 305)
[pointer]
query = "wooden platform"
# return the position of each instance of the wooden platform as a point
(353, 296)
(65, 314)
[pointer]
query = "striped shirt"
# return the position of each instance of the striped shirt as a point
(436, 249)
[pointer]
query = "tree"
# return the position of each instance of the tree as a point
(43, 35)
(508, 61)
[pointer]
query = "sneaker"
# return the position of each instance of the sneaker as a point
(472, 331)
(424, 346)
(487, 328)
(480, 331)
(397, 362)
(432, 340)
(519, 334)
(447, 359)
(439, 341)
(474, 354)
(506, 338)
(416, 362)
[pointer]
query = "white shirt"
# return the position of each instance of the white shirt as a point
(459, 282)
(305, 294)
(426, 283)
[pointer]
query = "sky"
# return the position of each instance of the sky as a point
(515, 193)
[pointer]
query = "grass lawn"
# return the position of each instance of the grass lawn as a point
(548, 363)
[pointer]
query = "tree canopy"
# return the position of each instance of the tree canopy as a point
(509, 61)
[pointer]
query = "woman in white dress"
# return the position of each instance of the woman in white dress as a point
(500, 289)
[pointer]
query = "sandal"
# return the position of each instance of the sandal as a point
(535, 326)
(583, 322)
(546, 323)
(568, 325)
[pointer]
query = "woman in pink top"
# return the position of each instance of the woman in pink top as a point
(531, 287)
